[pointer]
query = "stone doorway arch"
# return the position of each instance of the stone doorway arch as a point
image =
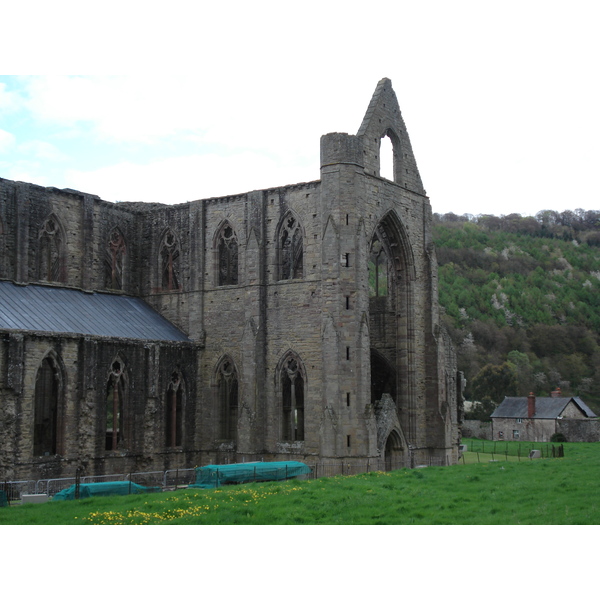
(393, 454)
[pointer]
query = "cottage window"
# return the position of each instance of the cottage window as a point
(515, 434)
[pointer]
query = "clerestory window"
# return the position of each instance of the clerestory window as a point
(114, 260)
(169, 262)
(227, 246)
(51, 252)
(291, 250)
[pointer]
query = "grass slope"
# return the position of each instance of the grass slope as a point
(543, 492)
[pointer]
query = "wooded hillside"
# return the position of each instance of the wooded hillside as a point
(522, 301)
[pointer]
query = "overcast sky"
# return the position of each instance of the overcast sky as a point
(501, 99)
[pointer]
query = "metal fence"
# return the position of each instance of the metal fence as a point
(513, 448)
(173, 478)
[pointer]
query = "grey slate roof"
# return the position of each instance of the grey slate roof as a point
(545, 408)
(63, 310)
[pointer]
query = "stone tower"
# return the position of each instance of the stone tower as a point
(395, 390)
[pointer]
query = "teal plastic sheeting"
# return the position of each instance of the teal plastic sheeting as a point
(213, 476)
(107, 488)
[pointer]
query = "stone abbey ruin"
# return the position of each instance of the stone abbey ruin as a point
(292, 323)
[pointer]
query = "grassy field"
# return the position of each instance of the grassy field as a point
(544, 491)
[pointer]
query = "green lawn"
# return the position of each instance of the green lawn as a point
(544, 491)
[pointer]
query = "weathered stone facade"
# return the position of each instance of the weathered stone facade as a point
(311, 309)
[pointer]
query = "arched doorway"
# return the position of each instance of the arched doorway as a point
(393, 455)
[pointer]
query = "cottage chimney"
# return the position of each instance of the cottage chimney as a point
(530, 405)
(555, 393)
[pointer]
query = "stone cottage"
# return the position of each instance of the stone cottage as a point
(298, 322)
(534, 419)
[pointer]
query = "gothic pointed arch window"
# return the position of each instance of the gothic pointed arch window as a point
(292, 387)
(115, 404)
(169, 262)
(114, 261)
(46, 408)
(378, 269)
(227, 255)
(389, 149)
(51, 251)
(291, 248)
(174, 411)
(227, 397)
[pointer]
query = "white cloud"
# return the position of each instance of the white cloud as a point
(181, 179)
(40, 149)
(7, 141)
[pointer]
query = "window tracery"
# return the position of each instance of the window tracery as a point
(170, 262)
(174, 412)
(291, 249)
(227, 245)
(51, 250)
(227, 383)
(292, 390)
(46, 399)
(115, 400)
(115, 260)
(378, 270)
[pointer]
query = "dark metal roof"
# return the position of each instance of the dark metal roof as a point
(545, 408)
(63, 310)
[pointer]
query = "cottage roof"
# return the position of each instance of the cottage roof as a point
(49, 309)
(545, 408)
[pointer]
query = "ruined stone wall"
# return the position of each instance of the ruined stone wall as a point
(83, 368)
(80, 226)
(579, 430)
(477, 429)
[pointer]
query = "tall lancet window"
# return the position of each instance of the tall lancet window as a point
(50, 255)
(291, 249)
(45, 428)
(169, 262)
(227, 383)
(115, 260)
(378, 270)
(174, 416)
(115, 401)
(292, 389)
(227, 246)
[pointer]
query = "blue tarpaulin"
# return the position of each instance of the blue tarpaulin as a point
(107, 488)
(213, 476)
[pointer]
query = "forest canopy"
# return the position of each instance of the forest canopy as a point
(522, 302)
